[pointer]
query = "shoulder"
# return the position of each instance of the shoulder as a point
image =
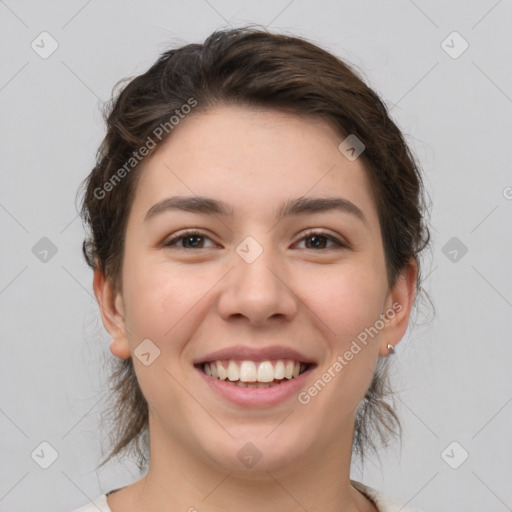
(382, 502)
(98, 505)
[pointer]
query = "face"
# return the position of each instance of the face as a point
(254, 244)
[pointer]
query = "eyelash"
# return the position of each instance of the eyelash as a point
(309, 234)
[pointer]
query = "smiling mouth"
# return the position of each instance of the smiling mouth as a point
(252, 374)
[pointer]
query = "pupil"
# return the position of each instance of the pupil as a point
(318, 240)
(194, 237)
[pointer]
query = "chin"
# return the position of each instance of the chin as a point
(250, 455)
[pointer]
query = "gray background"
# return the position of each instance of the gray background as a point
(452, 370)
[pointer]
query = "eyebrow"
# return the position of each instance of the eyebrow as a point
(299, 206)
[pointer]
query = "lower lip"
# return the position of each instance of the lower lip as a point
(254, 397)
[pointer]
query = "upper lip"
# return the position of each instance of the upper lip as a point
(244, 353)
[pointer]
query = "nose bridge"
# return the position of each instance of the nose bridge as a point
(255, 288)
(256, 275)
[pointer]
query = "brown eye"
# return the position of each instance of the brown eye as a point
(192, 240)
(320, 240)
(317, 242)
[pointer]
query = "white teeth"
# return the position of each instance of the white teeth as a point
(248, 372)
(288, 371)
(254, 373)
(265, 372)
(279, 370)
(222, 373)
(233, 372)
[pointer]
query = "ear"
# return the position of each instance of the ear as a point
(112, 314)
(398, 306)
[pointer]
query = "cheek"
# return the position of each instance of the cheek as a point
(347, 300)
(162, 300)
(347, 303)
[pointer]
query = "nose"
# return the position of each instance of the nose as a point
(259, 291)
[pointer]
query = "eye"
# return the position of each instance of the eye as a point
(319, 240)
(188, 240)
(196, 240)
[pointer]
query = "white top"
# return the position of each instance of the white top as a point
(383, 503)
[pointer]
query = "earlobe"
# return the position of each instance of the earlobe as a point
(120, 348)
(399, 305)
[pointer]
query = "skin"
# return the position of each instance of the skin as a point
(191, 301)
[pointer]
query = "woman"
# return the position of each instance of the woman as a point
(256, 220)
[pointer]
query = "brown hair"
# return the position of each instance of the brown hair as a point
(249, 67)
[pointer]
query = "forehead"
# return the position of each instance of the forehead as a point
(255, 158)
